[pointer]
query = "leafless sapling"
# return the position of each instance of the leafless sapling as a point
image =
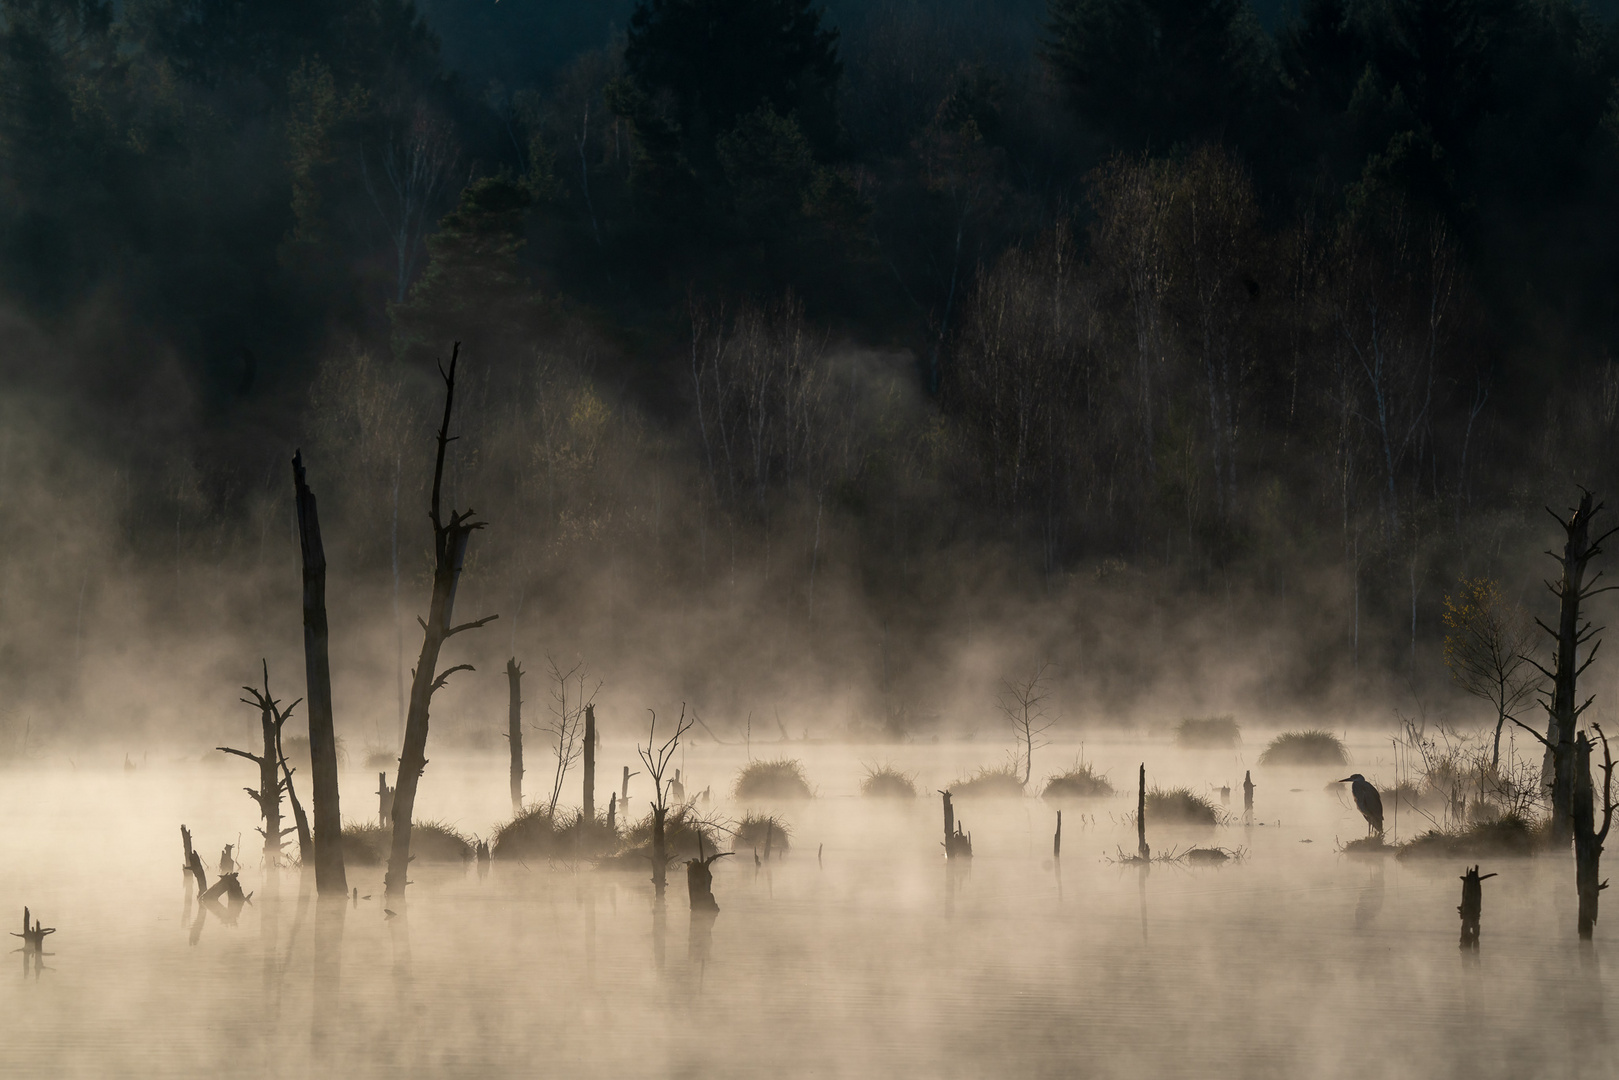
(567, 718)
(657, 758)
(1023, 703)
(450, 538)
(271, 786)
(1487, 642)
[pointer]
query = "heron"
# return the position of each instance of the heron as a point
(1367, 801)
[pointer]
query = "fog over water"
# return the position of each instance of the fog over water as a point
(858, 954)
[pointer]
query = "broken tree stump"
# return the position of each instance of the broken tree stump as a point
(590, 764)
(1056, 840)
(385, 800)
(194, 862)
(33, 938)
(700, 882)
(1472, 906)
(514, 731)
(956, 843)
(1143, 852)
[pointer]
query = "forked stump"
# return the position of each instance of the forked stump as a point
(700, 882)
(956, 843)
(33, 938)
(1472, 906)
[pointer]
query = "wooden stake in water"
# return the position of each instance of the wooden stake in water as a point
(1472, 906)
(1142, 849)
(1056, 841)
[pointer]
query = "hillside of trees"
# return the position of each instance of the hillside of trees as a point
(850, 355)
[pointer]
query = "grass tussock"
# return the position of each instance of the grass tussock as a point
(1508, 835)
(430, 842)
(683, 828)
(538, 834)
(1181, 806)
(1314, 747)
(887, 782)
(1002, 782)
(1208, 733)
(761, 831)
(1369, 845)
(782, 778)
(1080, 782)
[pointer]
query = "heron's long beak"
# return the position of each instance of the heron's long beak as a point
(1345, 780)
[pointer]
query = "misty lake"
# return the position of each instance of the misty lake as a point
(857, 954)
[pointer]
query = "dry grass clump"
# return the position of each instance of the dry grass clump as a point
(887, 782)
(1080, 782)
(761, 833)
(1369, 845)
(683, 827)
(1001, 782)
(779, 779)
(538, 834)
(1208, 733)
(1182, 806)
(430, 842)
(1509, 835)
(1313, 747)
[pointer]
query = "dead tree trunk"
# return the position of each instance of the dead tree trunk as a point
(271, 786)
(700, 881)
(1562, 711)
(330, 879)
(33, 937)
(1472, 906)
(514, 732)
(957, 845)
(612, 812)
(657, 760)
(1142, 850)
(449, 553)
(590, 763)
(1056, 840)
(1588, 839)
(660, 853)
(306, 844)
(1248, 796)
(385, 800)
(194, 862)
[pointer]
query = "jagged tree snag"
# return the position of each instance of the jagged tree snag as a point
(657, 760)
(957, 844)
(1471, 908)
(514, 732)
(271, 786)
(1588, 839)
(306, 843)
(590, 764)
(450, 539)
(385, 800)
(1143, 852)
(1561, 711)
(193, 862)
(330, 879)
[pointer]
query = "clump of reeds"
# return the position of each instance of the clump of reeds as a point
(683, 829)
(1181, 806)
(1208, 733)
(537, 833)
(1507, 835)
(887, 782)
(1369, 845)
(366, 844)
(1313, 747)
(999, 782)
(782, 778)
(1080, 782)
(762, 832)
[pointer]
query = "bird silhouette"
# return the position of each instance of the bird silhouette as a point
(386, 914)
(1367, 801)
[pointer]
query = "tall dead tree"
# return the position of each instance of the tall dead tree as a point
(330, 879)
(450, 540)
(271, 786)
(1588, 839)
(590, 763)
(514, 731)
(1561, 711)
(657, 760)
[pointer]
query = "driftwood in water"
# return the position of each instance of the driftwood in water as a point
(450, 539)
(330, 879)
(385, 801)
(956, 843)
(1588, 839)
(193, 862)
(514, 731)
(1472, 906)
(1143, 852)
(33, 937)
(267, 796)
(1056, 839)
(590, 763)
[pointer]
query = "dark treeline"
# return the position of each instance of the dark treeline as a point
(1138, 333)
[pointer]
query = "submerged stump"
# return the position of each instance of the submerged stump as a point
(1472, 906)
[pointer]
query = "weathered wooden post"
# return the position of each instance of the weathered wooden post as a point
(590, 764)
(514, 732)
(328, 833)
(1472, 906)
(1056, 840)
(1142, 850)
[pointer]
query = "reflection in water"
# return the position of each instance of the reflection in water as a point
(330, 913)
(1142, 871)
(1370, 901)
(660, 927)
(701, 942)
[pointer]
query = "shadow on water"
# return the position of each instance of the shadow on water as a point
(326, 1024)
(660, 933)
(1370, 901)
